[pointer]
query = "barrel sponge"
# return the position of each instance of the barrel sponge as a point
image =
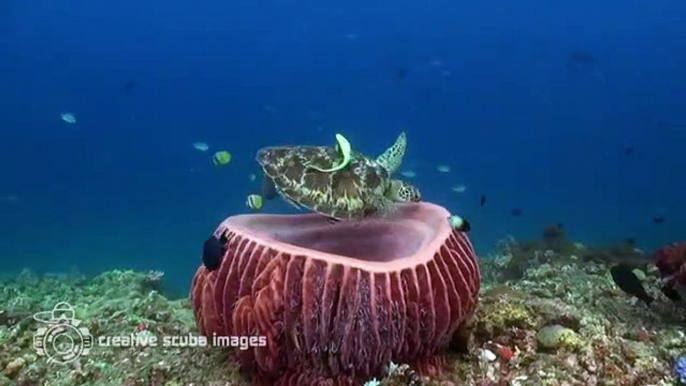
(338, 302)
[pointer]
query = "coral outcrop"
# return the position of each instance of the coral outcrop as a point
(621, 341)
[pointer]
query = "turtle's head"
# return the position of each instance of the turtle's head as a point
(401, 191)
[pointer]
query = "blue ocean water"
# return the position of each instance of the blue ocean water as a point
(488, 88)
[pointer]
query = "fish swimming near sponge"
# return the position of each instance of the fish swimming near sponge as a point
(213, 252)
(221, 158)
(254, 202)
(459, 223)
(624, 276)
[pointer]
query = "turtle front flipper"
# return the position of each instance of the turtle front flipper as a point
(392, 158)
(380, 206)
(344, 149)
(332, 220)
(396, 192)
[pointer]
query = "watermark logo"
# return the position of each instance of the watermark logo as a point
(61, 340)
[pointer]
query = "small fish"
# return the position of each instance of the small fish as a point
(459, 188)
(269, 191)
(252, 177)
(254, 202)
(629, 150)
(658, 219)
(482, 202)
(68, 117)
(624, 276)
(460, 224)
(221, 158)
(401, 73)
(408, 174)
(213, 251)
(443, 168)
(581, 57)
(201, 146)
(516, 212)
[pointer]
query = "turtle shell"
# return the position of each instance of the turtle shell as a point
(342, 194)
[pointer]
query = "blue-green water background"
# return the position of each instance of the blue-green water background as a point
(490, 90)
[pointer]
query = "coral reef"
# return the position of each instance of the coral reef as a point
(554, 244)
(116, 304)
(555, 336)
(621, 341)
(569, 324)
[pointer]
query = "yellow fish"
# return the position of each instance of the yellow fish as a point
(254, 202)
(221, 157)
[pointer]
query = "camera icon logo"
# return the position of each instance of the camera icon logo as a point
(62, 341)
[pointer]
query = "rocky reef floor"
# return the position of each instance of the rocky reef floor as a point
(546, 317)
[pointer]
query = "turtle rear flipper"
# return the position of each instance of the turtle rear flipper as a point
(392, 158)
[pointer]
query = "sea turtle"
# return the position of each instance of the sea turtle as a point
(336, 184)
